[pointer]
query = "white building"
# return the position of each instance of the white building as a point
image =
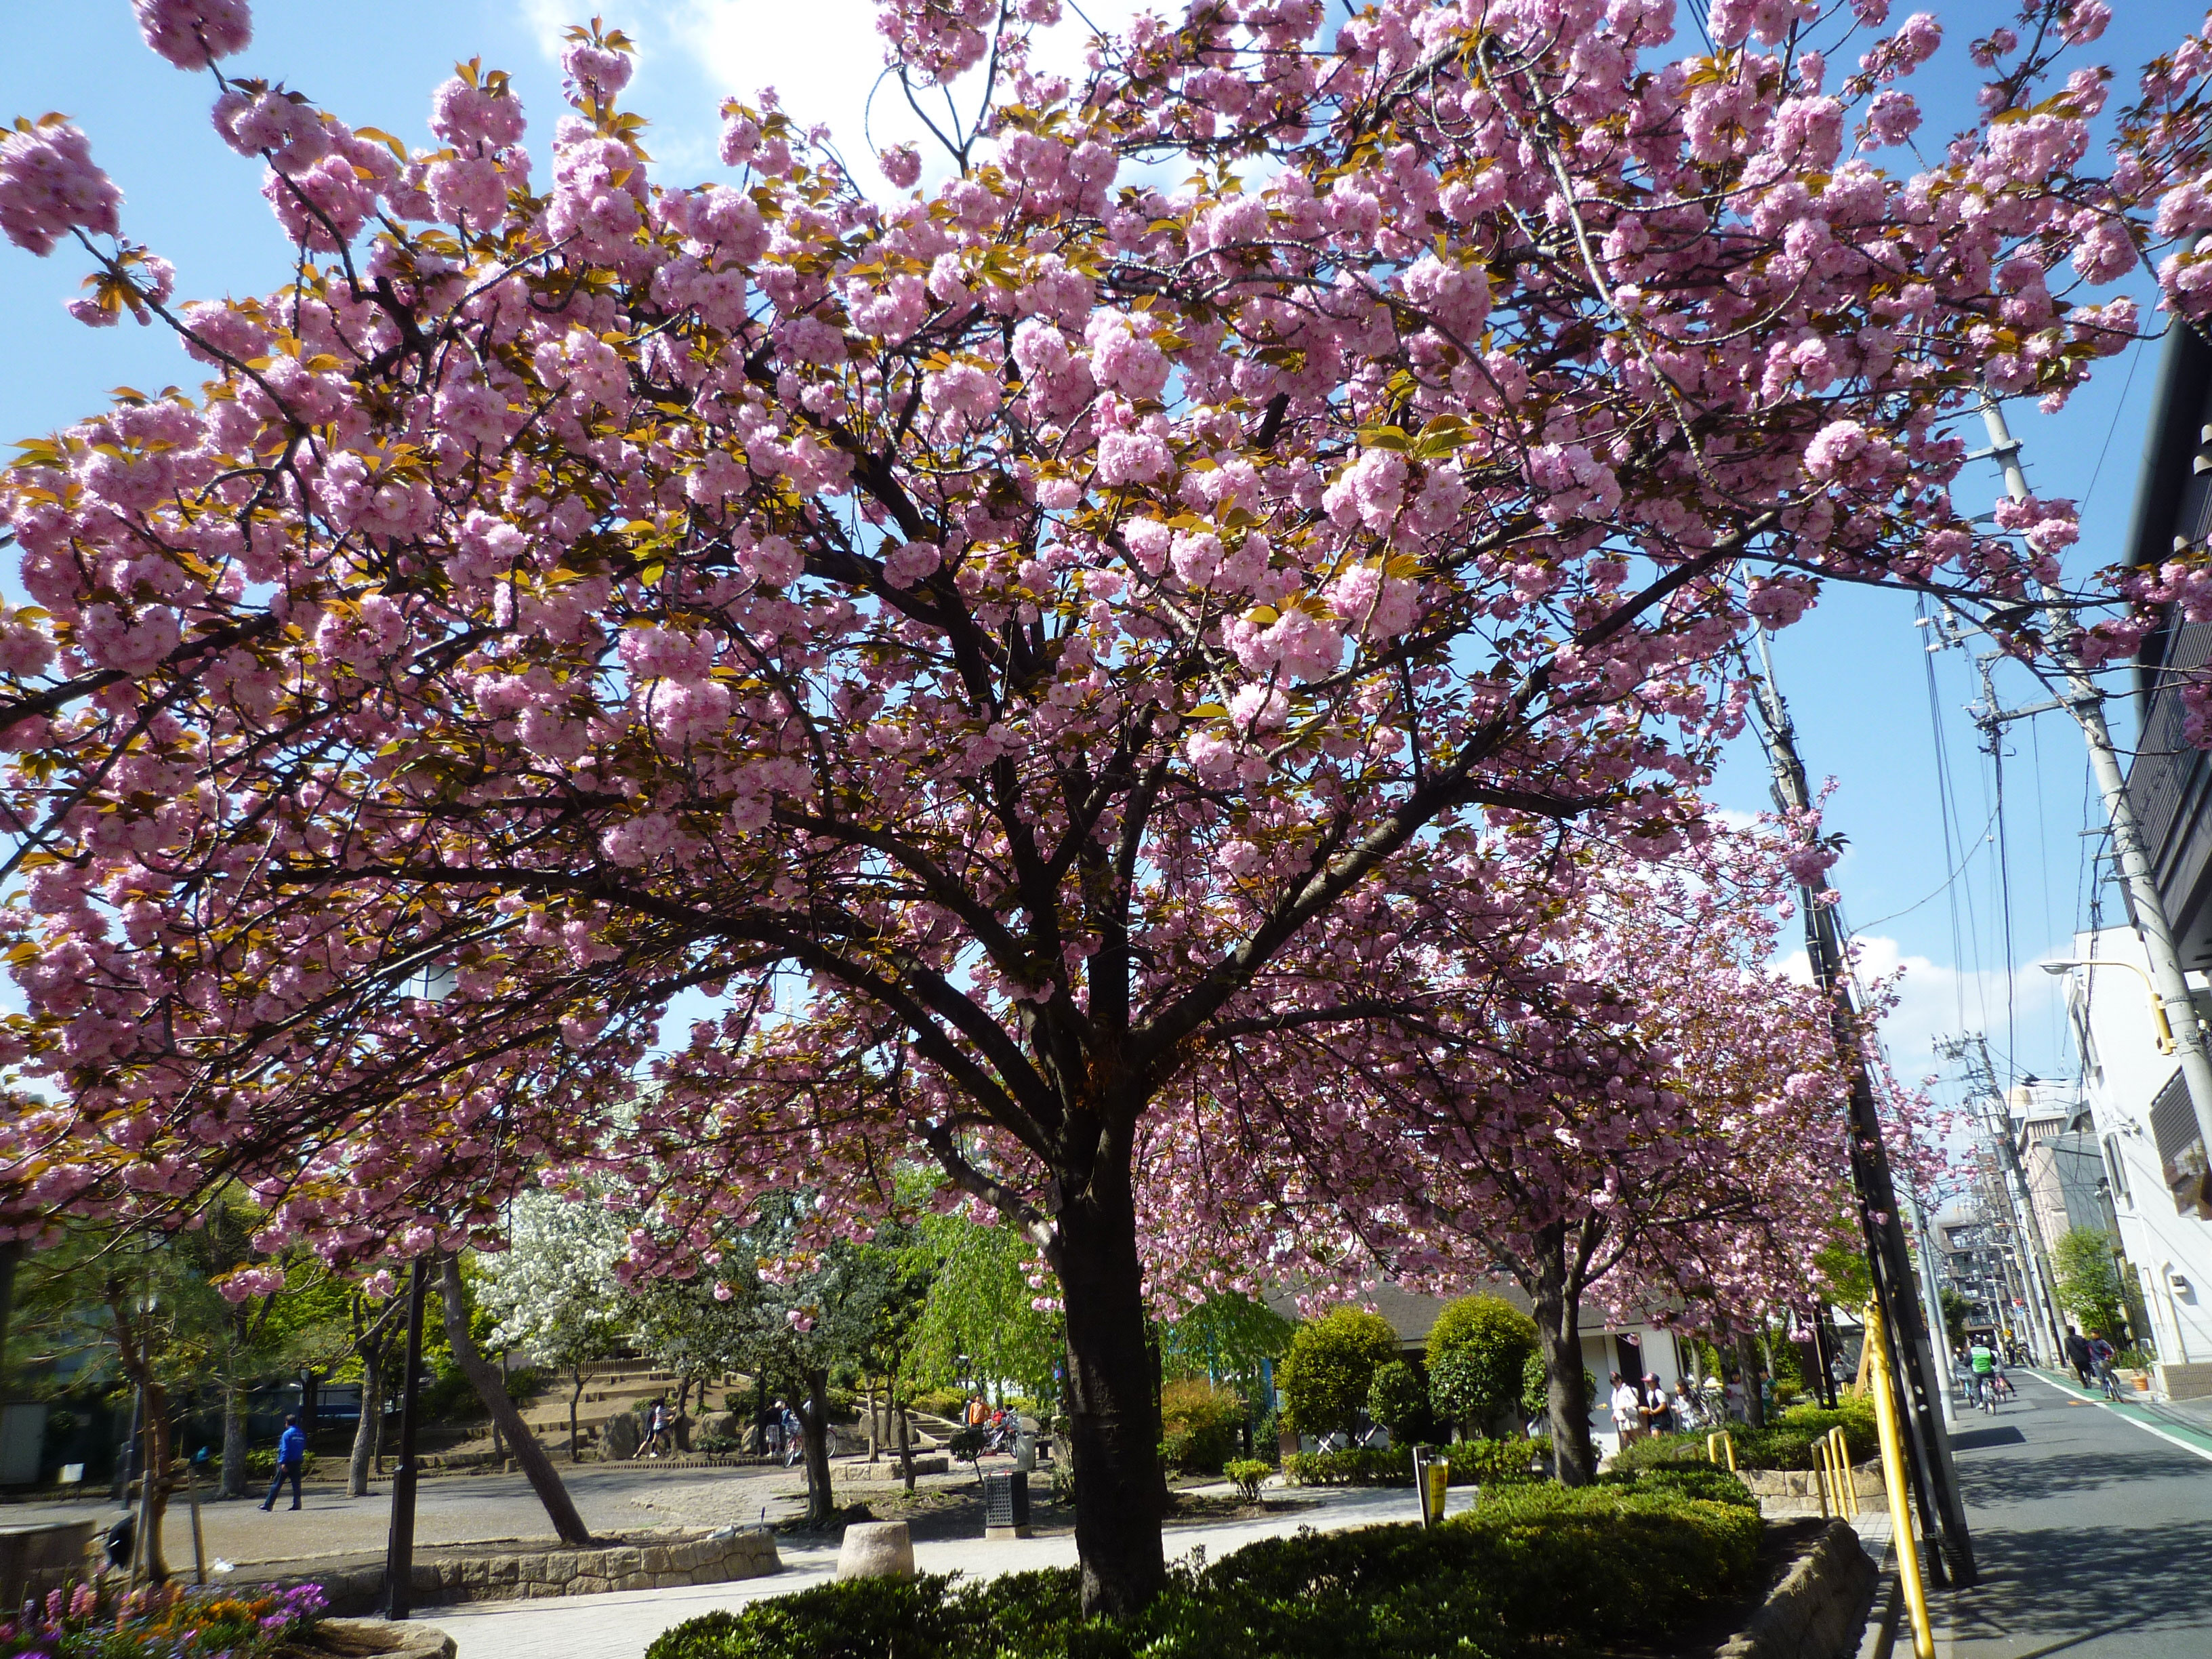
(2147, 1134)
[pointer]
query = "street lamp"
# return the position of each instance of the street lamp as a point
(2157, 1008)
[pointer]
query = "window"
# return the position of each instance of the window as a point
(2117, 1167)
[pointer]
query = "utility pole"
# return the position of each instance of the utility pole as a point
(1942, 1515)
(2086, 703)
(1973, 1053)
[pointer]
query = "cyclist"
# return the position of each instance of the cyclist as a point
(1982, 1361)
(2101, 1355)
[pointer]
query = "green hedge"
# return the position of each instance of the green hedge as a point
(1473, 1463)
(1786, 1442)
(1705, 1481)
(1531, 1570)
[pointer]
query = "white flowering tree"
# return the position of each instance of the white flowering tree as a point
(554, 1291)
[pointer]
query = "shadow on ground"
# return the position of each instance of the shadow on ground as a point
(2001, 1481)
(2082, 1582)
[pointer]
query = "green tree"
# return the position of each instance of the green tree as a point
(1478, 1350)
(1398, 1399)
(2090, 1291)
(1330, 1368)
(1957, 1310)
(982, 1325)
(1228, 1339)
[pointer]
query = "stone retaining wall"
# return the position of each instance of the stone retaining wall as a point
(1818, 1609)
(715, 1558)
(1782, 1493)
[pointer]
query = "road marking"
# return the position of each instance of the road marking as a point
(2079, 1399)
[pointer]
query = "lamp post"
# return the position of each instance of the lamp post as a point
(432, 982)
(399, 1541)
(2159, 1021)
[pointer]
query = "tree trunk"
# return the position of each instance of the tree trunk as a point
(1755, 1404)
(372, 1409)
(815, 1438)
(875, 1440)
(1558, 1333)
(232, 1476)
(575, 1396)
(544, 1479)
(904, 1430)
(1114, 1419)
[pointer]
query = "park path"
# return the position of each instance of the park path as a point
(2092, 1528)
(620, 1626)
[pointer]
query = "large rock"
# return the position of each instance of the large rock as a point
(379, 1638)
(876, 1549)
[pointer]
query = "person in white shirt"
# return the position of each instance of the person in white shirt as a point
(1627, 1414)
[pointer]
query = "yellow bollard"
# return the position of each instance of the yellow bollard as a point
(1893, 1469)
(1718, 1443)
(1843, 1463)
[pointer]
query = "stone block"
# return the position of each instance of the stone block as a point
(560, 1569)
(656, 1558)
(501, 1569)
(620, 1562)
(423, 1578)
(876, 1549)
(637, 1580)
(473, 1572)
(588, 1584)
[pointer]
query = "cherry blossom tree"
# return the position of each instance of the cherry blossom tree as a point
(1074, 627)
(1638, 1112)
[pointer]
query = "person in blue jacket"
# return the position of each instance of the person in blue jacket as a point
(291, 1458)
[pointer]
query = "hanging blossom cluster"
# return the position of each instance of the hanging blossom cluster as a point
(1043, 617)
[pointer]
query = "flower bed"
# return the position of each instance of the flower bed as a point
(1532, 1568)
(84, 1623)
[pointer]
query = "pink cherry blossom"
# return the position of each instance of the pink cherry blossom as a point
(191, 33)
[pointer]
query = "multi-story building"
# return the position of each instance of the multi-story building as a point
(2131, 1090)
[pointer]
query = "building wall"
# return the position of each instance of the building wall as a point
(2124, 1073)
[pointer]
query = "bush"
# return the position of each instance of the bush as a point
(1474, 1463)
(1706, 1481)
(262, 1461)
(1398, 1399)
(1477, 1351)
(1786, 1442)
(1356, 1466)
(1536, 1387)
(1536, 1568)
(95, 1622)
(1247, 1472)
(1325, 1377)
(1199, 1424)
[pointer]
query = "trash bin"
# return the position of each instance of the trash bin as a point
(1006, 1505)
(1025, 1449)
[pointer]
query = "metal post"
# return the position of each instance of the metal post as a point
(2086, 704)
(1931, 1293)
(399, 1546)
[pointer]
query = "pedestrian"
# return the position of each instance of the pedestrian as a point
(1627, 1410)
(2101, 1356)
(794, 1437)
(1658, 1415)
(2078, 1354)
(291, 1461)
(1689, 1412)
(775, 1432)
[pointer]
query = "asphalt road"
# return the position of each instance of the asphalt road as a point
(2094, 1536)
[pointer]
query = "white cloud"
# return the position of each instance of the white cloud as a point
(824, 57)
(1929, 998)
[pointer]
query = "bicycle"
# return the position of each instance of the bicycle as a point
(2110, 1379)
(1985, 1393)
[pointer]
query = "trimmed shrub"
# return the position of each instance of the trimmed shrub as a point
(1785, 1444)
(1710, 1482)
(1474, 1463)
(1325, 1377)
(1199, 1424)
(1533, 1569)
(1398, 1399)
(1247, 1472)
(1477, 1351)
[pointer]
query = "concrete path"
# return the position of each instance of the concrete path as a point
(461, 1509)
(2092, 1526)
(621, 1626)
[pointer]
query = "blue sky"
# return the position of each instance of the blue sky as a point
(1855, 671)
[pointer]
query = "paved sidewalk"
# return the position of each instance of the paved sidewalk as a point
(620, 1626)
